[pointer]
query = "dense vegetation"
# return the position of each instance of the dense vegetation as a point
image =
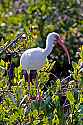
(60, 83)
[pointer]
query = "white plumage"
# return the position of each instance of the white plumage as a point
(34, 59)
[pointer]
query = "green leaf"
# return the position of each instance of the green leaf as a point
(70, 97)
(35, 122)
(58, 87)
(2, 63)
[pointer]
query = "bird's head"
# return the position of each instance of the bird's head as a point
(55, 38)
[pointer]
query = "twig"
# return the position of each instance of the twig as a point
(11, 42)
(65, 79)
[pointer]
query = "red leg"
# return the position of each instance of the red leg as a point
(25, 75)
(27, 79)
(30, 98)
(38, 97)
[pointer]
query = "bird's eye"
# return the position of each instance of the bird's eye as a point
(57, 37)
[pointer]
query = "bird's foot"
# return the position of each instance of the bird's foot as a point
(31, 98)
(39, 97)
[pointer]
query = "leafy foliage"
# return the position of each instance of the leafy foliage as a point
(60, 83)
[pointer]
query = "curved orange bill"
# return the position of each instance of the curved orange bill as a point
(61, 43)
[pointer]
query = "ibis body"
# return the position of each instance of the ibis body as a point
(34, 58)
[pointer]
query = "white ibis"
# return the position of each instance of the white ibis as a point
(34, 59)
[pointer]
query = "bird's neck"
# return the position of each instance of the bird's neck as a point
(48, 48)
